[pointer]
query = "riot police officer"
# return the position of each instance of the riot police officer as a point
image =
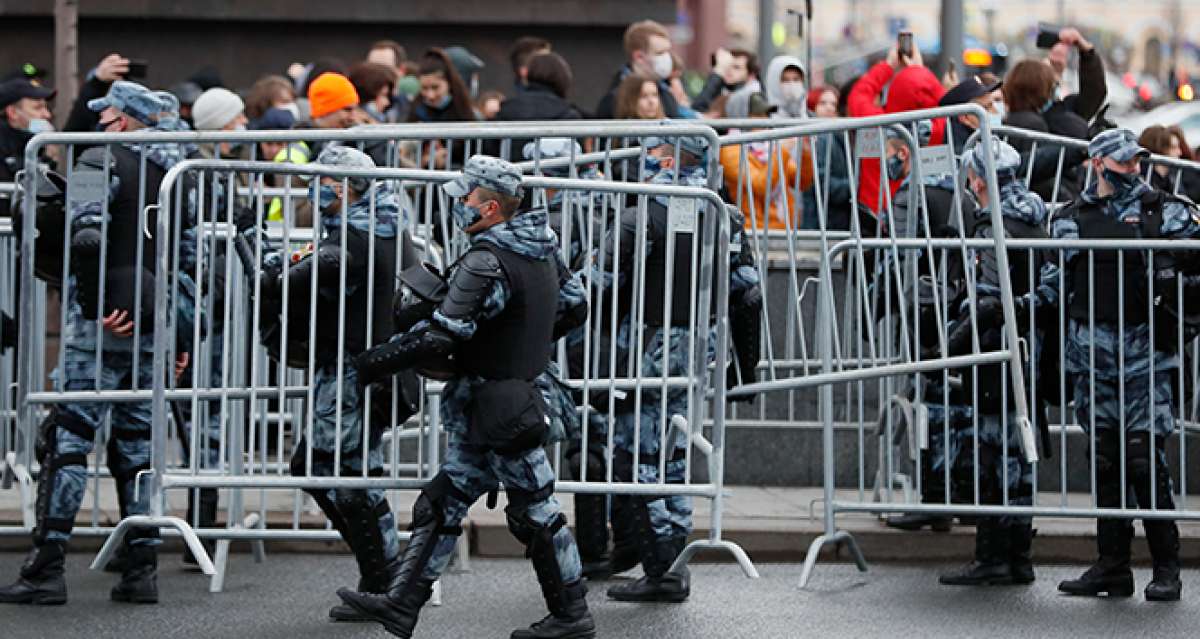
(1002, 544)
(1112, 345)
(361, 226)
(100, 351)
(663, 523)
(494, 330)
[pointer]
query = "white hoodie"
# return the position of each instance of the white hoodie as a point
(774, 89)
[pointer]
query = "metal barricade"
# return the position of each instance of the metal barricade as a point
(32, 367)
(703, 340)
(873, 270)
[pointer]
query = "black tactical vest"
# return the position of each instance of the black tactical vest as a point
(516, 344)
(1108, 282)
(682, 267)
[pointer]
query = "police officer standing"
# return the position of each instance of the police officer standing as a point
(494, 329)
(1002, 544)
(1112, 346)
(663, 523)
(100, 352)
(361, 224)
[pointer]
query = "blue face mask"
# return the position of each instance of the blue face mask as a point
(1121, 182)
(326, 196)
(652, 165)
(1048, 104)
(465, 216)
(995, 120)
(442, 103)
(895, 168)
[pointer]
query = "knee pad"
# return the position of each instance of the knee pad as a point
(1137, 454)
(595, 463)
(430, 509)
(517, 512)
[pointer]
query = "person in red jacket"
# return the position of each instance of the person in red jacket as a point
(912, 87)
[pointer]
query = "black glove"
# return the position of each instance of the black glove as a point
(8, 330)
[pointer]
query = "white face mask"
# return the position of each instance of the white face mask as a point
(663, 65)
(1001, 111)
(39, 125)
(793, 91)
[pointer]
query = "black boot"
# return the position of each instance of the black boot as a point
(569, 617)
(41, 577)
(376, 572)
(139, 582)
(1020, 553)
(591, 534)
(408, 591)
(1110, 574)
(991, 564)
(659, 583)
(625, 554)
(1163, 539)
(202, 512)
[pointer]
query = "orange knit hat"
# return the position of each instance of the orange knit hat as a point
(330, 92)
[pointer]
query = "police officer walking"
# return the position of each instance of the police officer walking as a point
(1129, 417)
(361, 226)
(494, 329)
(100, 351)
(1002, 544)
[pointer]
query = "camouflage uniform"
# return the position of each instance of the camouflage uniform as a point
(1122, 387)
(495, 415)
(97, 360)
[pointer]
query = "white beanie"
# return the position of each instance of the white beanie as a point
(215, 108)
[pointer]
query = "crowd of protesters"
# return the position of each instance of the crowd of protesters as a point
(442, 85)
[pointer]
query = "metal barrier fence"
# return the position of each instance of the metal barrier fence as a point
(708, 236)
(229, 437)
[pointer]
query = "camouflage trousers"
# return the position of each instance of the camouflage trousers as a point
(475, 471)
(645, 429)
(70, 438)
(342, 442)
(1003, 476)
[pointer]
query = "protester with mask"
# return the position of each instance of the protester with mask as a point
(1029, 95)
(1122, 378)
(769, 166)
(731, 70)
(495, 325)
(111, 68)
(443, 98)
(375, 85)
(648, 54)
(785, 86)
(23, 114)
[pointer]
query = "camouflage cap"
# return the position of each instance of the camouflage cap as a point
(694, 144)
(133, 100)
(348, 158)
(1118, 144)
(487, 172)
(1004, 157)
(551, 149)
